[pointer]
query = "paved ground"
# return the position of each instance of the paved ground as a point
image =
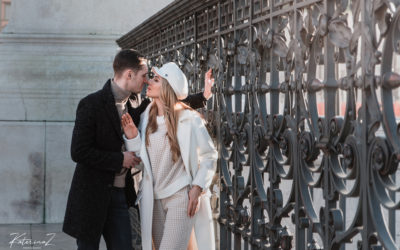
(35, 237)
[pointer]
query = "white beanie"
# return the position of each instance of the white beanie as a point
(176, 78)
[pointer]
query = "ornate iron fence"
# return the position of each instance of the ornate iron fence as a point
(303, 113)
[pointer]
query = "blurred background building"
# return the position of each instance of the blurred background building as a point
(52, 53)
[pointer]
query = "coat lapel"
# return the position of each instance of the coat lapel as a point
(143, 151)
(184, 136)
(111, 109)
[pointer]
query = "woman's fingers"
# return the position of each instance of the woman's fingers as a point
(209, 72)
(129, 119)
(197, 206)
(194, 198)
(126, 120)
(189, 207)
(209, 77)
(122, 121)
(192, 208)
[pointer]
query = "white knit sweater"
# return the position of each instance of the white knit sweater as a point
(168, 177)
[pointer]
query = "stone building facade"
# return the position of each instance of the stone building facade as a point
(52, 53)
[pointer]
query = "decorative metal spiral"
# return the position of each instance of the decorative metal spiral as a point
(289, 160)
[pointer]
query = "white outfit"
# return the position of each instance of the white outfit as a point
(171, 225)
(199, 158)
(168, 176)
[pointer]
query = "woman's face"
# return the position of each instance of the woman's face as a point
(154, 86)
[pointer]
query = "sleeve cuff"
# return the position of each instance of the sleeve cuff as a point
(199, 183)
(133, 144)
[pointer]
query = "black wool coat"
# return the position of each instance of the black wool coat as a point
(96, 148)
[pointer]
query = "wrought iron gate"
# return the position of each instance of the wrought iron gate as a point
(303, 113)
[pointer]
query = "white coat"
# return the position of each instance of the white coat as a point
(199, 157)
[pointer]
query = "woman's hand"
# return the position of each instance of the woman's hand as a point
(194, 204)
(208, 83)
(128, 126)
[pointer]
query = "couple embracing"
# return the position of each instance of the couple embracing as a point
(115, 133)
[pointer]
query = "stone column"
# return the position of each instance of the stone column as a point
(52, 53)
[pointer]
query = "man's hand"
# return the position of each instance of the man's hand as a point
(128, 126)
(130, 160)
(194, 204)
(208, 83)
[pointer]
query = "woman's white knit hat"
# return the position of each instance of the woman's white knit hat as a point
(176, 78)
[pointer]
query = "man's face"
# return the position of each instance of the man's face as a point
(138, 79)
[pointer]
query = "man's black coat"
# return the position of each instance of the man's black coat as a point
(96, 148)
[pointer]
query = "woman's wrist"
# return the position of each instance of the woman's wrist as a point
(132, 134)
(198, 187)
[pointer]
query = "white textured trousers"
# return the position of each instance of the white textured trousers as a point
(171, 224)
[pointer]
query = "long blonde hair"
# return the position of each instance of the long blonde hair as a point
(171, 114)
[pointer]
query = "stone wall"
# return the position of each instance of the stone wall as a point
(52, 53)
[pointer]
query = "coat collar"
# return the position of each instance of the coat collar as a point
(184, 116)
(111, 109)
(184, 136)
(120, 95)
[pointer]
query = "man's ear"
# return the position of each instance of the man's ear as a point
(128, 74)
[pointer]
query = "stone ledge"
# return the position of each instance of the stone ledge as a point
(50, 38)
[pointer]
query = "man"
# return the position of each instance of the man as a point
(102, 187)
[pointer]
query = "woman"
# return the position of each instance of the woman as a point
(179, 162)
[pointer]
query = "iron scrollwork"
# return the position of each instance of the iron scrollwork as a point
(290, 162)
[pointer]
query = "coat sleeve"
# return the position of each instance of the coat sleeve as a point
(133, 145)
(196, 101)
(207, 154)
(83, 149)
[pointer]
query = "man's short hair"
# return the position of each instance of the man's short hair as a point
(127, 59)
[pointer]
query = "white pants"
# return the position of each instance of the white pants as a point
(171, 224)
